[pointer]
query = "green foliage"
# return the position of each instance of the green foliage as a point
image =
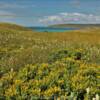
(58, 56)
(76, 54)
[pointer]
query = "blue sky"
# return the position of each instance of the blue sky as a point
(45, 12)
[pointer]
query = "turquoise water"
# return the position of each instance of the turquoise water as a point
(51, 29)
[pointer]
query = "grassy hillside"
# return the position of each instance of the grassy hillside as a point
(8, 26)
(75, 25)
(48, 65)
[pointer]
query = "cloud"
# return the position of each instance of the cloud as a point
(4, 5)
(70, 18)
(75, 3)
(54, 18)
(7, 14)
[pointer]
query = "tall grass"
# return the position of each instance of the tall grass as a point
(57, 52)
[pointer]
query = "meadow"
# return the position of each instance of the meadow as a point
(49, 65)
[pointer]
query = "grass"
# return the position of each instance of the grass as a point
(21, 48)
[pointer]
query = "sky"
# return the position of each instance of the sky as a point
(46, 12)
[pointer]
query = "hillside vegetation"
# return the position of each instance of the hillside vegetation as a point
(49, 65)
(8, 26)
(76, 25)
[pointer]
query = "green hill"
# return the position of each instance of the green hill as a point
(9, 26)
(75, 25)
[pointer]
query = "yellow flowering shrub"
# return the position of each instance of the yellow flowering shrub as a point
(67, 77)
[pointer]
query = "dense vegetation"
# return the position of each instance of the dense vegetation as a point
(47, 65)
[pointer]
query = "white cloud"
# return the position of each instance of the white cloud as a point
(70, 18)
(51, 19)
(4, 5)
(6, 14)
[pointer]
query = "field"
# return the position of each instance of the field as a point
(49, 66)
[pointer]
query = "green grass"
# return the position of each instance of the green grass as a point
(18, 47)
(21, 47)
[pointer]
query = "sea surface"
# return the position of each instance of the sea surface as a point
(51, 29)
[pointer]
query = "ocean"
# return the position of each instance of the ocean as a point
(51, 29)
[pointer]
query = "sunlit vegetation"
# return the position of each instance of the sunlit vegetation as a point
(39, 66)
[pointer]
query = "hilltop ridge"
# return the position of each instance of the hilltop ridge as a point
(10, 26)
(75, 25)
